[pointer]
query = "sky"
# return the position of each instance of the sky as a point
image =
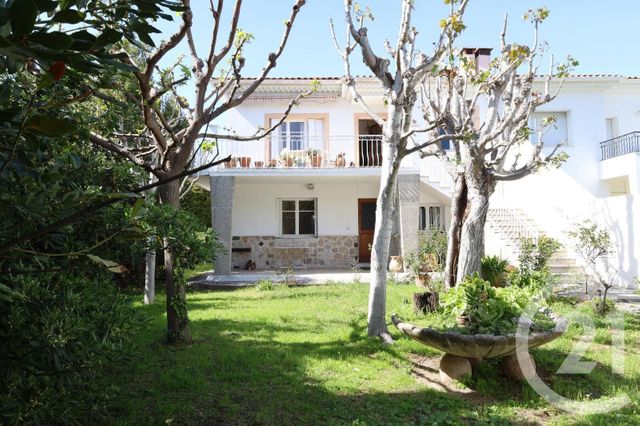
(602, 35)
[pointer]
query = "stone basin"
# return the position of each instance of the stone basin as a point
(477, 346)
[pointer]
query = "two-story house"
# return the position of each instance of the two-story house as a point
(305, 195)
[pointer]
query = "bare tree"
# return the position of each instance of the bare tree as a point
(485, 113)
(450, 87)
(171, 142)
(400, 88)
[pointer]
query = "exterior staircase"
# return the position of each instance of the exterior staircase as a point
(508, 226)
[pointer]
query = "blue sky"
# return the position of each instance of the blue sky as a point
(602, 35)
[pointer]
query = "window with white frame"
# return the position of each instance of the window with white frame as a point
(553, 126)
(298, 217)
(431, 217)
(297, 135)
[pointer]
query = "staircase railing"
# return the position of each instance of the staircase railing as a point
(620, 145)
(511, 225)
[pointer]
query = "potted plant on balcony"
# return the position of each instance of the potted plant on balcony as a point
(258, 164)
(341, 160)
(315, 157)
(245, 162)
(230, 164)
(287, 158)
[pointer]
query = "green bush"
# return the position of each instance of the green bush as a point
(494, 269)
(433, 243)
(198, 202)
(57, 333)
(536, 253)
(489, 309)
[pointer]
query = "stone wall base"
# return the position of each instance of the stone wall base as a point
(272, 252)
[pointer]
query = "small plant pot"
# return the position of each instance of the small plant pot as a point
(245, 162)
(258, 164)
(341, 162)
(423, 279)
(395, 264)
(273, 163)
(230, 164)
(288, 162)
(316, 161)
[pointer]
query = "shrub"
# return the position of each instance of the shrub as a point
(57, 332)
(433, 245)
(536, 253)
(488, 309)
(494, 270)
(264, 285)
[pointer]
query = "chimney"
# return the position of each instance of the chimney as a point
(481, 55)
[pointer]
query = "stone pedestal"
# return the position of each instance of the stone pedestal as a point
(453, 369)
(222, 188)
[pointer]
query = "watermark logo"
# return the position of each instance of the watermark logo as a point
(574, 362)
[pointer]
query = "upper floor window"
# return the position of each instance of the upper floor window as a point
(553, 126)
(612, 128)
(297, 134)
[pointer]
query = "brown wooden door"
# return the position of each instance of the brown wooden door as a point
(366, 225)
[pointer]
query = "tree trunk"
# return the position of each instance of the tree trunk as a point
(469, 214)
(458, 207)
(177, 319)
(385, 213)
(480, 186)
(150, 277)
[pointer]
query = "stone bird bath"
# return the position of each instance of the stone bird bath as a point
(462, 352)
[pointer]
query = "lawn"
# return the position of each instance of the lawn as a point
(299, 355)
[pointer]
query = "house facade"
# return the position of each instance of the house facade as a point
(305, 195)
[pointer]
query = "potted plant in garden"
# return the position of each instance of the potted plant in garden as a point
(245, 162)
(341, 160)
(315, 157)
(286, 158)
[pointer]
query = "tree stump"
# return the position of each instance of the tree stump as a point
(425, 302)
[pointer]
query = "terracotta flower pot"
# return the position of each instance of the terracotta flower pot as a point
(341, 161)
(273, 163)
(230, 164)
(395, 264)
(245, 162)
(258, 164)
(316, 161)
(287, 161)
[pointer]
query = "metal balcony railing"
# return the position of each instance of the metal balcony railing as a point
(620, 145)
(299, 150)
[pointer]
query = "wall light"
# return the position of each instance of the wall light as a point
(310, 186)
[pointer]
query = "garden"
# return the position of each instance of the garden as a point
(98, 148)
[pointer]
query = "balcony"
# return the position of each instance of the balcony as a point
(621, 145)
(302, 151)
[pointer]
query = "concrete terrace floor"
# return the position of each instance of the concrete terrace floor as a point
(243, 278)
(627, 299)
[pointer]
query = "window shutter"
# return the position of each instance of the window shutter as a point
(316, 133)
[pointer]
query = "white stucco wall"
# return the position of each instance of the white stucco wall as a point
(255, 209)
(557, 199)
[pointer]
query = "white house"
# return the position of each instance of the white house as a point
(305, 195)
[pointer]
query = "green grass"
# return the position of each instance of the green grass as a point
(299, 355)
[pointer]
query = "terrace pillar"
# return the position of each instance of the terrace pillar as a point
(222, 188)
(409, 209)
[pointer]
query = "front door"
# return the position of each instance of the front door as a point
(366, 225)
